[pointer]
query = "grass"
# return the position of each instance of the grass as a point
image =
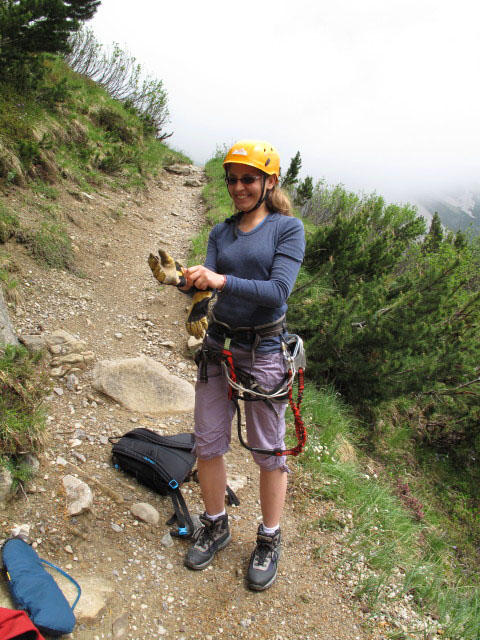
(397, 539)
(50, 245)
(23, 386)
(399, 557)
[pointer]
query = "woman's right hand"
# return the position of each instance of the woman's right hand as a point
(203, 278)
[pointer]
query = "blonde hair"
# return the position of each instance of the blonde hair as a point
(277, 201)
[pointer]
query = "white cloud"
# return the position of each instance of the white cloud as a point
(378, 95)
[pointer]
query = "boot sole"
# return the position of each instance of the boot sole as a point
(204, 565)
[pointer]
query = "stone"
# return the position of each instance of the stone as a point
(179, 169)
(194, 343)
(6, 482)
(237, 482)
(167, 540)
(79, 495)
(21, 531)
(72, 382)
(68, 358)
(143, 385)
(120, 626)
(96, 592)
(58, 372)
(69, 343)
(145, 512)
(7, 333)
(191, 182)
(31, 461)
(34, 343)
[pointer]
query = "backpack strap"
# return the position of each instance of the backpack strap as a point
(232, 497)
(181, 515)
(66, 575)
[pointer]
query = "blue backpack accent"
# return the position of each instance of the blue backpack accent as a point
(35, 591)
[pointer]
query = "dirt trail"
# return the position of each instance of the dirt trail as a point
(120, 311)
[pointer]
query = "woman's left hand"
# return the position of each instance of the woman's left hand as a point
(203, 278)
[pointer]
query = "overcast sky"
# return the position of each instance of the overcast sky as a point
(380, 95)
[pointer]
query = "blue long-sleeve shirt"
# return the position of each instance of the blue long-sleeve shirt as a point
(261, 266)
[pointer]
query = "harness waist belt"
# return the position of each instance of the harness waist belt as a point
(249, 334)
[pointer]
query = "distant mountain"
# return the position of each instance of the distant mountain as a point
(456, 211)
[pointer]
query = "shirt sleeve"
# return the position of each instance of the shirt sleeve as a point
(211, 258)
(286, 265)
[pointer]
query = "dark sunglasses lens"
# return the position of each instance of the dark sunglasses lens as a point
(245, 180)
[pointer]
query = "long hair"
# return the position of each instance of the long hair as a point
(277, 201)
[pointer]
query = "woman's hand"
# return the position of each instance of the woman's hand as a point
(203, 278)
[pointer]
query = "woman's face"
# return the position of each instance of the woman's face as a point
(246, 196)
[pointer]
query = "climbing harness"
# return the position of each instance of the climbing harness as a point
(243, 386)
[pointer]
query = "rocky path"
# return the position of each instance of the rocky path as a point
(134, 582)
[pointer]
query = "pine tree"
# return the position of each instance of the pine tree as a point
(29, 28)
(291, 177)
(435, 235)
(304, 191)
(383, 318)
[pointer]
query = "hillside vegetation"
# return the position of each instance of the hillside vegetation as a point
(60, 133)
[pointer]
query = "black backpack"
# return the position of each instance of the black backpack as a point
(161, 463)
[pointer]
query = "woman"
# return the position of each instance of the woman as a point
(253, 259)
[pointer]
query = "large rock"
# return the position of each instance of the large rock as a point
(179, 169)
(96, 592)
(143, 385)
(7, 334)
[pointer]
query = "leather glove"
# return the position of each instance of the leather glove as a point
(197, 322)
(166, 270)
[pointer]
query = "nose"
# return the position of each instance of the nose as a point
(238, 187)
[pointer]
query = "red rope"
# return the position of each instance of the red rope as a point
(300, 430)
(229, 358)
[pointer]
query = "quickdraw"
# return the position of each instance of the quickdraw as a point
(243, 386)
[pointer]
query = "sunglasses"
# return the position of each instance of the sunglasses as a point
(231, 180)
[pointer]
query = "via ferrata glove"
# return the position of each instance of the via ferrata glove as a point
(166, 270)
(197, 322)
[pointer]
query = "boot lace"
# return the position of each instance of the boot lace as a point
(262, 552)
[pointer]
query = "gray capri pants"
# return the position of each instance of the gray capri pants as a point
(214, 410)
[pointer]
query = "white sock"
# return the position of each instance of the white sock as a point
(216, 516)
(270, 530)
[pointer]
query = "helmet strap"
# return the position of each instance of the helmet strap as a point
(262, 198)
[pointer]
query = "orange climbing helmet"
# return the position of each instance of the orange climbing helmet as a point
(255, 153)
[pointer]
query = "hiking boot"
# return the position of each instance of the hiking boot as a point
(213, 536)
(262, 569)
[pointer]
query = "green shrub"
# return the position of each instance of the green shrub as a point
(50, 244)
(116, 158)
(116, 125)
(23, 386)
(9, 224)
(28, 152)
